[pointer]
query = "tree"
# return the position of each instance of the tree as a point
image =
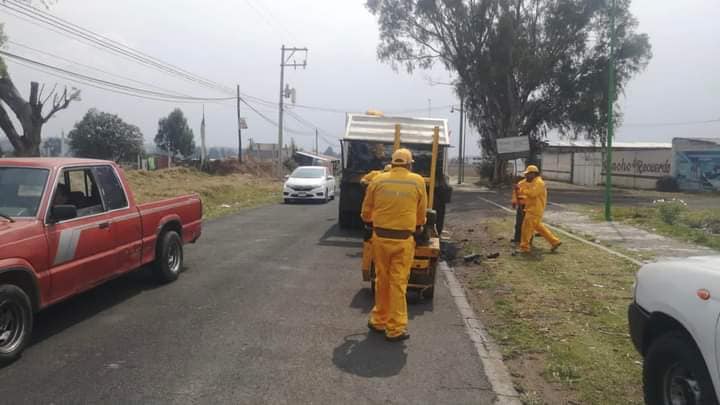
(175, 135)
(52, 147)
(29, 113)
(102, 135)
(524, 67)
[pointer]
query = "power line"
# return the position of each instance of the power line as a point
(108, 44)
(30, 48)
(672, 124)
(269, 120)
(128, 90)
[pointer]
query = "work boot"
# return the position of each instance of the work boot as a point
(555, 247)
(375, 328)
(398, 338)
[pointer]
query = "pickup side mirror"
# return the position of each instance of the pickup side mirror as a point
(62, 212)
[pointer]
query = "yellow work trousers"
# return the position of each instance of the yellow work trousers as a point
(532, 224)
(393, 259)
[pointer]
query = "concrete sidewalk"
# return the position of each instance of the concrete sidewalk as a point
(642, 244)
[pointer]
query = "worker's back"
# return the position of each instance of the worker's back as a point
(396, 200)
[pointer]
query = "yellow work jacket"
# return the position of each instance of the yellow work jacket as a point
(396, 200)
(535, 194)
(519, 198)
(366, 179)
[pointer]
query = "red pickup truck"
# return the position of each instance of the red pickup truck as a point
(67, 225)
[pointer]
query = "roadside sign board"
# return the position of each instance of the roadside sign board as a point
(243, 123)
(517, 145)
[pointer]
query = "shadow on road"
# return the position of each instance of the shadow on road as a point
(363, 300)
(62, 316)
(369, 355)
(334, 236)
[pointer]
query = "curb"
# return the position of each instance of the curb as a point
(490, 356)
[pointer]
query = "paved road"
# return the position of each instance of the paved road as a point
(271, 309)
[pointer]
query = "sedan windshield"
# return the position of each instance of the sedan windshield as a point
(21, 190)
(308, 173)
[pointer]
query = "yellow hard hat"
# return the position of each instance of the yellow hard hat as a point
(402, 156)
(531, 169)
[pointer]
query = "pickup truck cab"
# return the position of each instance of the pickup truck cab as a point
(68, 225)
(674, 324)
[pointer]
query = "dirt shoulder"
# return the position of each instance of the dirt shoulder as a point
(221, 194)
(560, 319)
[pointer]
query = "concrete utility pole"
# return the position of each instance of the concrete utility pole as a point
(285, 62)
(239, 120)
(611, 124)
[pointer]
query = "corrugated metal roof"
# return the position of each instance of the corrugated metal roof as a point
(626, 145)
(382, 129)
(317, 157)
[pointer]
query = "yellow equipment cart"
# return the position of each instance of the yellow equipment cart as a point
(427, 250)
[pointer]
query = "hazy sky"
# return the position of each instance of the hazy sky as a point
(238, 42)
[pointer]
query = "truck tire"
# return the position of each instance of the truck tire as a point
(16, 322)
(345, 220)
(675, 370)
(169, 257)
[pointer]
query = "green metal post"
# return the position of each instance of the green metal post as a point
(610, 125)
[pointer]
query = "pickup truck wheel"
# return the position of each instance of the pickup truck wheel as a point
(15, 322)
(169, 260)
(675, 373)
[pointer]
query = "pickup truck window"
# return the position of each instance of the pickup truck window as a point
(21, 190)
(78, 187)
(111, 188)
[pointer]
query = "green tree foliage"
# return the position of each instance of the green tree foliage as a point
(524, 67)
(175, 135)
(101, 135)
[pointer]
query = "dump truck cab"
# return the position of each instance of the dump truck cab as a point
(368, 144)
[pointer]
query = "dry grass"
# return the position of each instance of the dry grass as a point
(221, 194)
(560, 318)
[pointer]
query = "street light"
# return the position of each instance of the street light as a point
(461, 143)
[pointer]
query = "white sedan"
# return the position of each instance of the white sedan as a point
(311, 183)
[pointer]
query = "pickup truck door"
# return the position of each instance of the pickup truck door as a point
(126, 221)
(81, 250)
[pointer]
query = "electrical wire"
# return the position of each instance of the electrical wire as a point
(77, 32)
(104, 84)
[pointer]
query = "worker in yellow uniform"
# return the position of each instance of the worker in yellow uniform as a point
(366, 179)
(534, 193)
(518, 203)
(395, 203)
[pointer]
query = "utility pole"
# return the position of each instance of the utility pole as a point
(285, 62)
(429, 107)
(317, 149)
(610, 124)
(460, 141)
(239, 120)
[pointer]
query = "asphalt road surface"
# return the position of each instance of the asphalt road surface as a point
(270, 309)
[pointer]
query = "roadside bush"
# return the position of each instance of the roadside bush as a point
(667, 184)
(706, 220)
(670, 210)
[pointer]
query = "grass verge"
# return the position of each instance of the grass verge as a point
(221, 194)
(560, 319)
(700, 226)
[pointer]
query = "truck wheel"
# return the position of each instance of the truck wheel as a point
(344, 220)
(169, 258)
(15, 322)
(675, 373)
